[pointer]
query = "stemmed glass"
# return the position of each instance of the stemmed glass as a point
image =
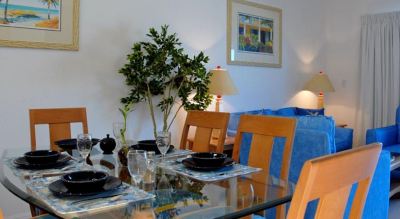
(84, 145)
(137, 165)
(163, 141)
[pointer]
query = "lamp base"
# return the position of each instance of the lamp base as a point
(320, 101)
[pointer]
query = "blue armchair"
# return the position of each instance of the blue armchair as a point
(316, 136)
(388, 136)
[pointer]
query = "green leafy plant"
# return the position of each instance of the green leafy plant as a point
(160, 67)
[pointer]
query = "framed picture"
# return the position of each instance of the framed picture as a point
(50, 24)
(254, 34)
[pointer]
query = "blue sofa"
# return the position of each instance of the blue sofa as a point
(315, 136)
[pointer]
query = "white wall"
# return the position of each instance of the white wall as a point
(36, 78)
(343, 27)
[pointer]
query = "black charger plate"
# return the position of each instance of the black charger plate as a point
(70, 144)
(189, 163)
(147, 148)
(59, 189)
(21, 162)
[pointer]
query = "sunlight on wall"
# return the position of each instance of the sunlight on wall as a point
(304, 99)
(200, 42)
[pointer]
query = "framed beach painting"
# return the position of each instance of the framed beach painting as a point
(254, 34)
(49, 24)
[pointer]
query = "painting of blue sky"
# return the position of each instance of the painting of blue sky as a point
(34, 14)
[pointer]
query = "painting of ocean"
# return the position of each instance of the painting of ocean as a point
(33, 14)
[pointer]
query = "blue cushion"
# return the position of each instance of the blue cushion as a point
(343, 138)
(310, 112)
(289, 111)
(392, 148)
(268, 112)
(398, 123)
(319, 123)
(235, 118)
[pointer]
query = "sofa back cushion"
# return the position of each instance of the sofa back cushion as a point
(310, 112)
(398, 123)
(234, 120)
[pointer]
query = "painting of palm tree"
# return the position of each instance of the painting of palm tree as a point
(5, 11)
(50, 3)
(33, 14)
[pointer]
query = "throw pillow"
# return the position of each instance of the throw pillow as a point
(310, 112)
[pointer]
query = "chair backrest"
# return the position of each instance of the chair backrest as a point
(330, 179)
(205, 122)
(59, 121)
(264, 130)
(1, 214)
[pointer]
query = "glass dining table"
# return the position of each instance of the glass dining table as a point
(174, 195)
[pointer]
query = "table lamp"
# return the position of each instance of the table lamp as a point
(320, 83)
(221, 84)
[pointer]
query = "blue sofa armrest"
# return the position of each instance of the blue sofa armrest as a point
(386, 135)
(343, 138)
(308, 144)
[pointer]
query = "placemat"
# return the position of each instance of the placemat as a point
(73, 206)
(209, 176)
(71, 165)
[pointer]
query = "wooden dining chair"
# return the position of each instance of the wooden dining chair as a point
(1, 214)
(264, 129)
(205, 122)
(59, 121)
(330, 179)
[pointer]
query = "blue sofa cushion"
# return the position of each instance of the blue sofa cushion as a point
(398, 124)
(319, 123)
(235, 118)
(289, 111)
(310, 112)
(343, 138)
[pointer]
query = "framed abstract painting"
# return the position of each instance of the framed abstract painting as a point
(254, 34)
(49, 24)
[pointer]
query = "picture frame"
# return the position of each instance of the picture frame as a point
(30, 25)
(254, 34)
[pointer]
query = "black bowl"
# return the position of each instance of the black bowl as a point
(42, 156)
(206, 159)
(70, 144)
(85, 180)
(149, 145)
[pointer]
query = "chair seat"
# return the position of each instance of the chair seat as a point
(392, 148)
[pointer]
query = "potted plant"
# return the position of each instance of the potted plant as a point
(161, 68)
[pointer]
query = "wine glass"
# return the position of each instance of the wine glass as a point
(163, 141)
(151, 166)
(84, 145)
(137, 165)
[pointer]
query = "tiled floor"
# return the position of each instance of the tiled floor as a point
(394, 209)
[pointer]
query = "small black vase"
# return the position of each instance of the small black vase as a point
(107, 145)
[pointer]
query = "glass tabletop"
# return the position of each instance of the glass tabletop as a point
(174, 194)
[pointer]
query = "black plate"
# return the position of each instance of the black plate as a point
(42, 156)
(189, 163)
(146, 148)
(209, 159)
(70, 144)
(21, 162)
(58, 188)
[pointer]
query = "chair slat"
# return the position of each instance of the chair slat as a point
(205, 122)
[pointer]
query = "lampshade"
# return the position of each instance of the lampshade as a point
(221, 83)
(320, 83)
